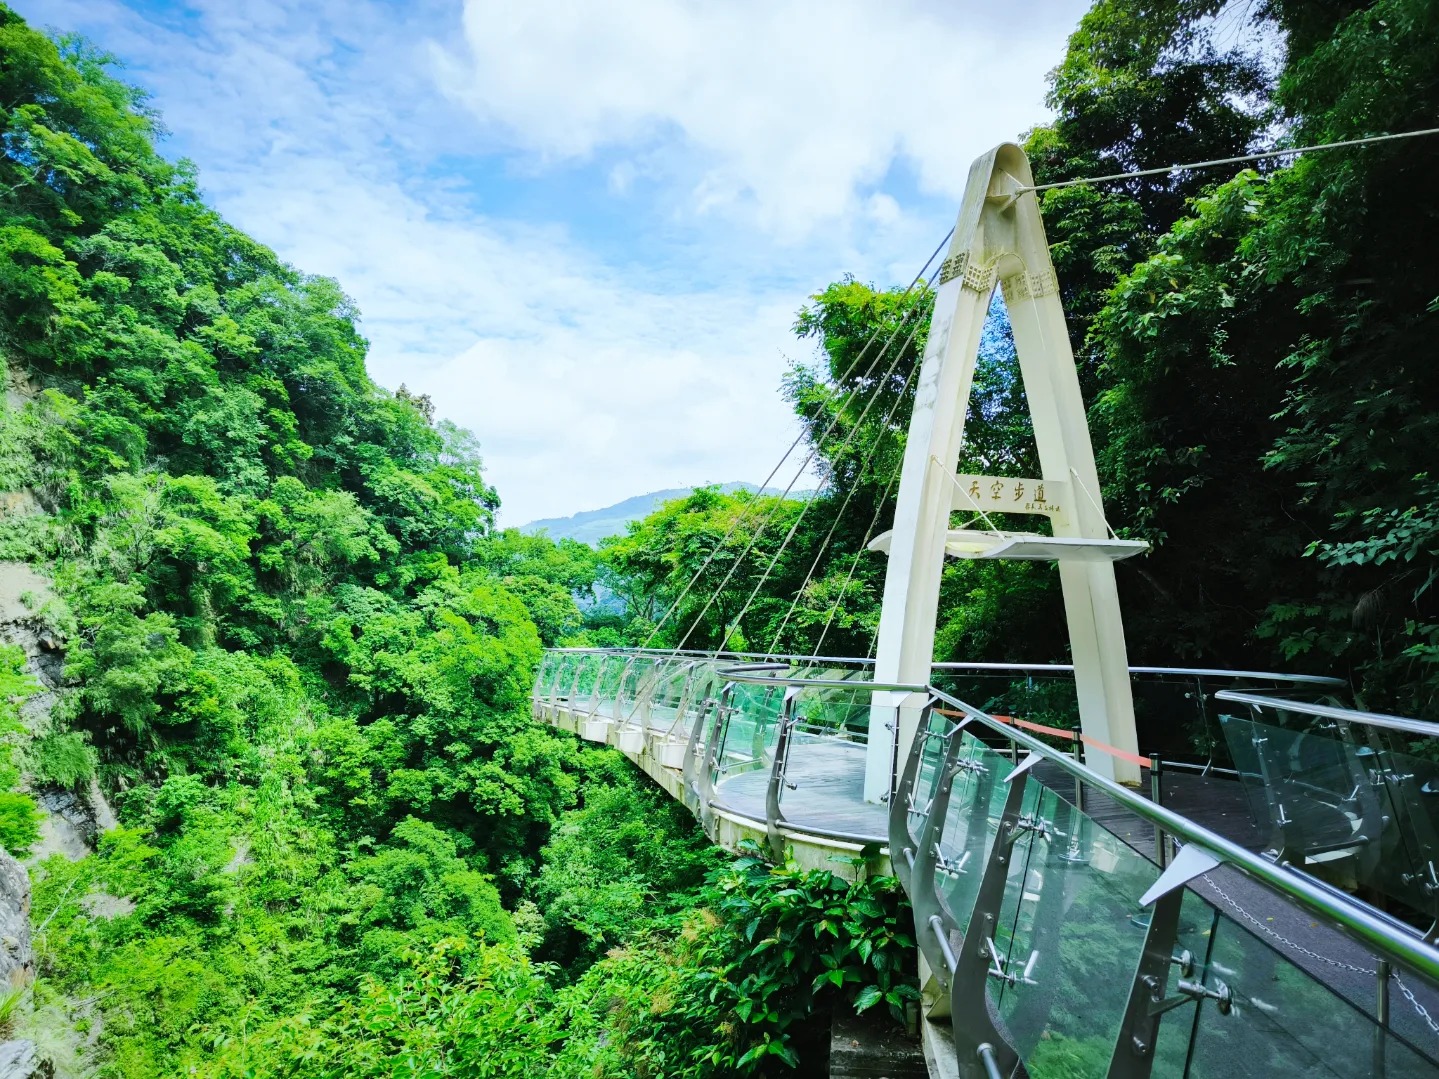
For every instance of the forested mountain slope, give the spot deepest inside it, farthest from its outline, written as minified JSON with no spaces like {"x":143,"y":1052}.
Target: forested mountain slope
{"x":276,"y":628}
{"x":591,"y":526}
{"x":282,"y":636}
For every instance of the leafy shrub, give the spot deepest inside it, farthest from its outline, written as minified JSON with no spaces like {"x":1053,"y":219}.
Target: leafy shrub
{"x":64,"y":759}
{"x":19,"y":823}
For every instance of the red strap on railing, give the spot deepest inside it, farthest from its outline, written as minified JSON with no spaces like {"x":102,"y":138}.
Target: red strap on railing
{"x":1132,"y":758}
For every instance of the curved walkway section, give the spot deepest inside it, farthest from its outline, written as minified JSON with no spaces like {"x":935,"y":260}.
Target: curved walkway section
{"x":1067,"y":926}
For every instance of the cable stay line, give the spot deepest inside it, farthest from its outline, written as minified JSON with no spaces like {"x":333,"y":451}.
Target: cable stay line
{"x":829,"y":482}
{"x":669,"y":613}
{"x":799,"y":438}
{"x":854,"y":565}
{"x":1263,"y":155}
{"x":834,"y":524}
{"x":814,"y":452}
{"x":805,"y":509}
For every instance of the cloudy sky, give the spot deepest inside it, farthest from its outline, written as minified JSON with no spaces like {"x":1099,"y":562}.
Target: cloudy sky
{"x":584,"y":226}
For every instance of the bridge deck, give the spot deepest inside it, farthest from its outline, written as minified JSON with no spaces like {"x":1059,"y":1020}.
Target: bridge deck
{"x":827,"y":777}
{"x":828,"y":792}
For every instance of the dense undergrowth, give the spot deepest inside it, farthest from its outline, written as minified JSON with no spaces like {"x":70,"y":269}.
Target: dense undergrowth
{"x":298,"y":658}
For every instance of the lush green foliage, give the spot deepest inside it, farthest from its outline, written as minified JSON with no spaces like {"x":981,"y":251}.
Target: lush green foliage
{"x":298,"y":657}
{"x":720,"y":990}
{"x":298,"y":653}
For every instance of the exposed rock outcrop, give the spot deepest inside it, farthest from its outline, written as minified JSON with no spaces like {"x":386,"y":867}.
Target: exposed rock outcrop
{"x":24,"y":596}
{"x":20,"y":1059}
{"x":17,"y":961}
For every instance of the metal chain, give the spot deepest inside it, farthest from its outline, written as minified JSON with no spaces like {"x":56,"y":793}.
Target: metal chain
{"x":1423,"y":1011}
{"x":1280,"y":937}
{"x":1340,"y":964}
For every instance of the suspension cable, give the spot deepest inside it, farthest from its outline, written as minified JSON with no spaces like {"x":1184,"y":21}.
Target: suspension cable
{"x":804,"y":465}
{"x":858,"y":554}
{"x":843,"y":446}
{"x":834,"y":524}
{"x":798,"y":438}
{"x":1243,"y":158}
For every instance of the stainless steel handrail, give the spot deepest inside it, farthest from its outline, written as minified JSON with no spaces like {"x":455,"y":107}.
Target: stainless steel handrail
{"x":1369,"y":928}
{"x":1348,"y":715}
{"x":1207,"y":672}
{"x":753,"y":675}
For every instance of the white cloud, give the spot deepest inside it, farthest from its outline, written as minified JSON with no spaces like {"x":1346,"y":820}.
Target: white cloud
{"x":789,"y":108}
{"x":588,"y":376}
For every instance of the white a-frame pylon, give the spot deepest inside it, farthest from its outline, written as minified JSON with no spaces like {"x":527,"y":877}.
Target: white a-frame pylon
{"x":999,"y":241}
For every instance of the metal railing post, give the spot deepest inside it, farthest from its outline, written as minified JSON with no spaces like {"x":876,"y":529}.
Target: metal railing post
{"x":901,"y":846}
{"x":1383,"y":972}
{"x":689,"y":782}
{"x":969,"y":1012}
{"x":772,"y":813}
{"x":1156,"y":795}
{"x":1077,"y":750}
{"x":1133,"y":1055}
{"x":712,"y":756}
{"x":929,"y":924}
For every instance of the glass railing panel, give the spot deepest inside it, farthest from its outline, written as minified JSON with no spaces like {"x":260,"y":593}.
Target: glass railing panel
{"x":1280,"y":1021}
{"x":976,"y":802}
{"x":1069,"y":938}
{"x":1344,"y":802}
{"x":544,"y":676}
{"x":667,"y":695}
{"x":604,"y":702}
{"x":587,"y":675}
{"x":564,"y":676}
{"x":638,"y":689}
{"x":1310,"y":787}
{"x":824,"y":764}
{"x":1407,"y":867}
{"x":704,"y":683}
{"x":841,"y":714}
{"x":746,"y":744}
{"x":933,"y":746}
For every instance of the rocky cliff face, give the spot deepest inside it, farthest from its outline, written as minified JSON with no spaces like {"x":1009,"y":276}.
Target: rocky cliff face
{"x":17,"y":962}
{"x":19,"y":1059}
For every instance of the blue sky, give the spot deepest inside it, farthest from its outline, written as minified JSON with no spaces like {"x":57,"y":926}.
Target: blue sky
{"x":584,"y":226}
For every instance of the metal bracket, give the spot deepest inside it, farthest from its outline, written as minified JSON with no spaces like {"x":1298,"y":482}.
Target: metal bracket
{"x":1000,"y":966}
{"x":1023,"y":766}
{"x":1191,"y":861}
{"x":1032,"y":822}
{"x":951,"y":867}
{"x":1190,"y":991}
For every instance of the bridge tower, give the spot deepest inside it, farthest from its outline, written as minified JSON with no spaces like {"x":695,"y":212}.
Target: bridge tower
{"x":999,"y":242}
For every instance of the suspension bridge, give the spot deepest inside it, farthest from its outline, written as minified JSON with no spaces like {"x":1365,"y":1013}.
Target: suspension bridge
{"x":1201,"y":872}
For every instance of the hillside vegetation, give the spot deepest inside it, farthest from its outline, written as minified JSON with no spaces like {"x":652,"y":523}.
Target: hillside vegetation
{"x":297,"y":653}
{"x":298,"y":658}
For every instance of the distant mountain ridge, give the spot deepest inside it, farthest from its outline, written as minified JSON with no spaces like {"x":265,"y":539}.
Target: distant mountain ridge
{"x":591,"y":526}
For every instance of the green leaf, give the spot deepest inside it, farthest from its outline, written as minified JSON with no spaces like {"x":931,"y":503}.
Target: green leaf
{"x":868,"y":997}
